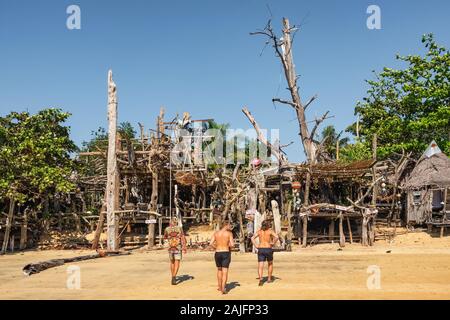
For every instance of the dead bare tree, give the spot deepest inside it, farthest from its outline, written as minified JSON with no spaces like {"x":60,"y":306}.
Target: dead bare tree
{"x":283,"y":50}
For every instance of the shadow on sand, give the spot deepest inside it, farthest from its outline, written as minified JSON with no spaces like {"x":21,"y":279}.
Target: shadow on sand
{"x":183,"y":278}
{"x":232,"y":285}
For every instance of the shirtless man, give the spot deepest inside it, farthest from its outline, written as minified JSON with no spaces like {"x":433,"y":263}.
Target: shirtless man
{"x":267,"y":238}
{"x":222,"y":241}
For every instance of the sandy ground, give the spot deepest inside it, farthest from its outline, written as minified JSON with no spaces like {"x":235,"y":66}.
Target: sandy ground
{"x":414,"y":266}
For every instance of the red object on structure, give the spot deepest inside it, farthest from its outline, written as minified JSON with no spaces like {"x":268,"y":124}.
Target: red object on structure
{"x":296,"y":185}
{"x":256,"y":162}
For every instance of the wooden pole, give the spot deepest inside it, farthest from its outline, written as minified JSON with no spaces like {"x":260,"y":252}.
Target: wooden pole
{"x":276,"y":218}
{"x":349,"y":230}
{"x":155,"y":184}
{"x":289,"y":231}
{"x":364,"y":240}
{"x":117,"y":193}
{"x":241,"y":208}
{"x":261,"y":138}
{"x":111,"y":165}
{"x":305,"y":231}
{"x":341,"y":232}
{"x":371,"y":231}
{"x":306,"y":203}
{"x":357,"y":128}
{"x":374,"y":177}
{"x":331,"y":230}
{"x":337,"y":149}
{"x":153,"y":207}
{"x":101,"y":222}
{"x":9,"y":219}
{"x":23,"y":231}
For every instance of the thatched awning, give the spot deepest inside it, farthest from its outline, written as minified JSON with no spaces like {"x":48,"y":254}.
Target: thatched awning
{"x":187,"y":178}
{"x":432,"y":171}
{"x":337,"y":169}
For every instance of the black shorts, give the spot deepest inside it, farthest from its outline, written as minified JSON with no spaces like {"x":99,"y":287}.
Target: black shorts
{"x":265,"y":254}
{"x":223,"y":259}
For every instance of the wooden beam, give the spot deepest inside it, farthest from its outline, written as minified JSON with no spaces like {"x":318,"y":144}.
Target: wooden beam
{"x":9,"y":219}
{"x":111,"y":165}
{"x":23,"y":231}
{"x":305,"y":231}
{"x":331,"y":230}
{"x":341,"y":231}
{"x":349,"y":226}
{"x":374,"y":171}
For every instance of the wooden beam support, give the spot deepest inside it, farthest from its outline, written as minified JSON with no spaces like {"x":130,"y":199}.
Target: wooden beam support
{"x":341,"y":231}
{"x":111,"y":165}
{"x":349,"y":227}
{"x":9,"y":219}
{"x":331,"y":230}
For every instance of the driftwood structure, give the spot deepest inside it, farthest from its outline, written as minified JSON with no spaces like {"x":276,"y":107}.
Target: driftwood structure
{"x":132,"y":185}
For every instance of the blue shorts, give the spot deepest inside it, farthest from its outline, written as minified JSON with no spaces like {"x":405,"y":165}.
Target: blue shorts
{"x":265,"y":254}
{"x":223,"y":259}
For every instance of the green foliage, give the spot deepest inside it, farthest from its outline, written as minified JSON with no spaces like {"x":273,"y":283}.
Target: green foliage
{"x":410,"y":107}
{"x":354,"y":152}
{"x":332,"y":139}
{"x":98,"y":141}
{"x":99,"y":138}
{"x":213,"y":143}
{"x":126,"y":131}
{"x":35,"y":154}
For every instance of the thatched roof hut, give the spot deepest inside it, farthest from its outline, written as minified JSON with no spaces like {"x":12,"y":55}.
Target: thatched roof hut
{"x":427,"y":188}
{"x":433,"y":171}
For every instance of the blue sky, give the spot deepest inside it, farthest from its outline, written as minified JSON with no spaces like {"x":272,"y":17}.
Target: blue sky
{"x":198,"y":56}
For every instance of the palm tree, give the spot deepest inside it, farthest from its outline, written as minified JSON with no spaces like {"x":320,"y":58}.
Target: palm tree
{"x":213,"y":144}
{"x":332,"y":140}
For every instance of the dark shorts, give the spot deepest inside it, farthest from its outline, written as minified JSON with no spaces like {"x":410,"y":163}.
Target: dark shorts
{"x":265,"y":254}
{"x":223,"y":259}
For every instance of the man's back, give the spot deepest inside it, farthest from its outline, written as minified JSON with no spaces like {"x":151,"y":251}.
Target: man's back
{"x":265,"y":238}
{"x":223,"y":240}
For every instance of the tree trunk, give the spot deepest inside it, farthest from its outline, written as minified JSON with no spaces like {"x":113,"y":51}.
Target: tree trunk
{"x":374,"y":172}
{"x":111,"y":165}
{"x":9,"y":219}
{"x":364,"y":237}
{"x":305,"y":231}
{"x":273,"y":150}
{"x":291,"y":77}
{"x":331,"y":230}
{"x":341,"y":232}
{"x":153,"y":207}
{"x":23,"y":231}
{"x":276,"y":218}
{"x":289,"y":232}
{"x":101,"y":222}
{"x":349,"y":230}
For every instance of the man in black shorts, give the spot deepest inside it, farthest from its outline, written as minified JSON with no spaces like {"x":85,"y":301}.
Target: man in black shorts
{"x":222,"y":241}
{"x":267,"y":238}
